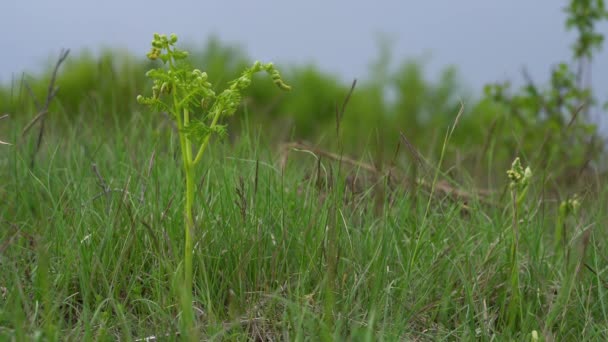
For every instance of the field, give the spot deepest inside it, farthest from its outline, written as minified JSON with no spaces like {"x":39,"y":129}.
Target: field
{"x":304,"y":248}
{"x":325,"y":213}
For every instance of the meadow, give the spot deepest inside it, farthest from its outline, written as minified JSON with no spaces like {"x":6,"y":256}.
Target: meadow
{"x":324,"y":213}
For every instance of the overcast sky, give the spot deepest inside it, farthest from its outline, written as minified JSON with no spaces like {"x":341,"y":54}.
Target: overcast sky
{"x":487,"y":40}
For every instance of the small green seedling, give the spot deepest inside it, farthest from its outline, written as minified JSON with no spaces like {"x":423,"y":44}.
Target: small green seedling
{"x":519,"y":182}
{"x":567,"y":208}
{"x":189,"y":97}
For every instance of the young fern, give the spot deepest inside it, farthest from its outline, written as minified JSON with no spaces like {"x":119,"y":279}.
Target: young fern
{"x":189,"y":97}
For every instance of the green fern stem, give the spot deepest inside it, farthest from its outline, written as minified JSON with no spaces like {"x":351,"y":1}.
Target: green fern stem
{"x":188,"y":166}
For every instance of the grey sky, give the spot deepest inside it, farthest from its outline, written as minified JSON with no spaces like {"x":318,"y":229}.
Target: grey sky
{"x":487,"y":40}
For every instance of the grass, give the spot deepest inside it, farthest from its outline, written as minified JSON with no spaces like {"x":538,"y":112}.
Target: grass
{"x":314,"y":250}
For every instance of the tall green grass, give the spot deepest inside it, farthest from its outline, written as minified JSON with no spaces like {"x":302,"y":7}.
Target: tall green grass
{"x":91,"y":239}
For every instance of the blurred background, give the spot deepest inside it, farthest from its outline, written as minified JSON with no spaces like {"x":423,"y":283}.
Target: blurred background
{"x":486,"y":41}
{"x":526,"y":90}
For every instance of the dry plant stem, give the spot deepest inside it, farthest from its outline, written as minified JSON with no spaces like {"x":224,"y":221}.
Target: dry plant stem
{"x":42,"y":111}
{"x":37,"y":118}
{"x":4,"y":117}
{"x":443,"y":187}
{"x":540,"y":158}
{"x":415,"y":154}
{"x":340,"y":111}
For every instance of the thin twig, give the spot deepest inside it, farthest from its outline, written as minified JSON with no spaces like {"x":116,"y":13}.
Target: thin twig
{"x":340,"y":112}
{"x":108,"y":191}
{"x":43,"y":110}
{"x":418,"y":159}
{"x":33,"y":122}
{"x":575,"y":114}
{"x":588,"y":267}
{"x":142,"y":194}
{"x":105,"y":187}
{"x":31,"y":93}
{"x":164,"y":213}
{"x":52,"y":91}
{"x":540,"y":154}
{"x":4,"y":142}
{"x":100,"y":181}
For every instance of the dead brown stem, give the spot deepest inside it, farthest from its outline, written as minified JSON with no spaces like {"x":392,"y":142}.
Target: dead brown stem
{"x":441,"y":186}
{"x":43,"y":110}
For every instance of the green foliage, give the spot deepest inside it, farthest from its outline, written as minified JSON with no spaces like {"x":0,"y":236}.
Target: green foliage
{"x":87,"y":83}
{"x":583,"y":16}
{"x":86,"y":261}
{"x":312,"y":108}
{"x":324,"y":250}
{"x":184,"y":93}
{"x":548,"y":123}
{"x":424,"y":108}
{"x":568,"y":208}
{"x":189,"y":91}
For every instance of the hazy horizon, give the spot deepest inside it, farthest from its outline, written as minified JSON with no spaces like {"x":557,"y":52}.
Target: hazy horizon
{"x":486,"y":42}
